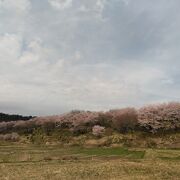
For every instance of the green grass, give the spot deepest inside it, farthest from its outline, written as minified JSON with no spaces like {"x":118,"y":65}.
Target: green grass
{"x":26,"y":162}
{"x":14,"y":154}
{"x":120,"y":152}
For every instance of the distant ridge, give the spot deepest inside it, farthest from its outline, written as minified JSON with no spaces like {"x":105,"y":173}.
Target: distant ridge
{"x":13,"y":117}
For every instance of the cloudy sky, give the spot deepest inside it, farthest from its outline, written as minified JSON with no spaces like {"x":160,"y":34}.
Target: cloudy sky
{"x":58,"y":55}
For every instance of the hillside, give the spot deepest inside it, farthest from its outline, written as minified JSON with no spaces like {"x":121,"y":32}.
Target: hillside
{"x":127,"y":125}
{"x":151,"y":118}
{"x":7,"y":117}
{"x":124,"y":143}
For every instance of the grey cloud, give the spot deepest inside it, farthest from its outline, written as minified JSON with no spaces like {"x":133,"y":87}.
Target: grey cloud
{"x":93,"y":54}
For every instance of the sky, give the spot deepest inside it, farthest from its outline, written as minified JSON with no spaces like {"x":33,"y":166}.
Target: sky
{"x":62,"y":55}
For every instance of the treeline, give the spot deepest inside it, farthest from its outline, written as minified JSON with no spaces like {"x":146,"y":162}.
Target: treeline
{"x":14,"y":117}
{"x":153,"y":119}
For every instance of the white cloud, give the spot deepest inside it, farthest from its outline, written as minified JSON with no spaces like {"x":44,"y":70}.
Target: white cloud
{"x":17,"y":6}
{"x":126,"y":2}
{"x":93,"y":7}
{"x":32,"y":54}
{"x":35,"y":54}
{"x":100,"y":5}
{"x":10,"y":47}
{"x":78,"y":55}
{"x":61,"y":4}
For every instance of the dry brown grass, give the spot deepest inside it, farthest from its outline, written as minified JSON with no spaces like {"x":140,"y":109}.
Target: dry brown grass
{"x":94,"y":169}
{"x":31,"y":163}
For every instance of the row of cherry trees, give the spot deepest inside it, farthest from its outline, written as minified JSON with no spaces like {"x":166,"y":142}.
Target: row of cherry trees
{"x":160,"y":117}
{"x":152,"y":118}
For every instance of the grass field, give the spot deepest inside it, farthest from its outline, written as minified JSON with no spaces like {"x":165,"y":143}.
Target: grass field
{"x":21,"y":162}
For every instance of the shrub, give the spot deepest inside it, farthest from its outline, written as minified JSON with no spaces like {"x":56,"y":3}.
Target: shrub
{"x":3,"y":127}
{"x":38,"y":136}
{"x":7,"y":137}
{"x":124,"y":120}
{"x":108,"y":131}
{"x":151,"y":143}
{"x":48,"y":127}
{"x":10,"y":137}
{"x":65,"y":136}
{"x":6,"y":126}
{"x":24,"y":127}
{"x":104,"y":119}
{"x":161,"y":117}
{"x":15,"y":136}
{"x":78,"y":130}
{"x":98,"y":130}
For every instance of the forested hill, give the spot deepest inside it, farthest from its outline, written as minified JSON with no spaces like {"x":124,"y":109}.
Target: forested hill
{"x":13,"y":117}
